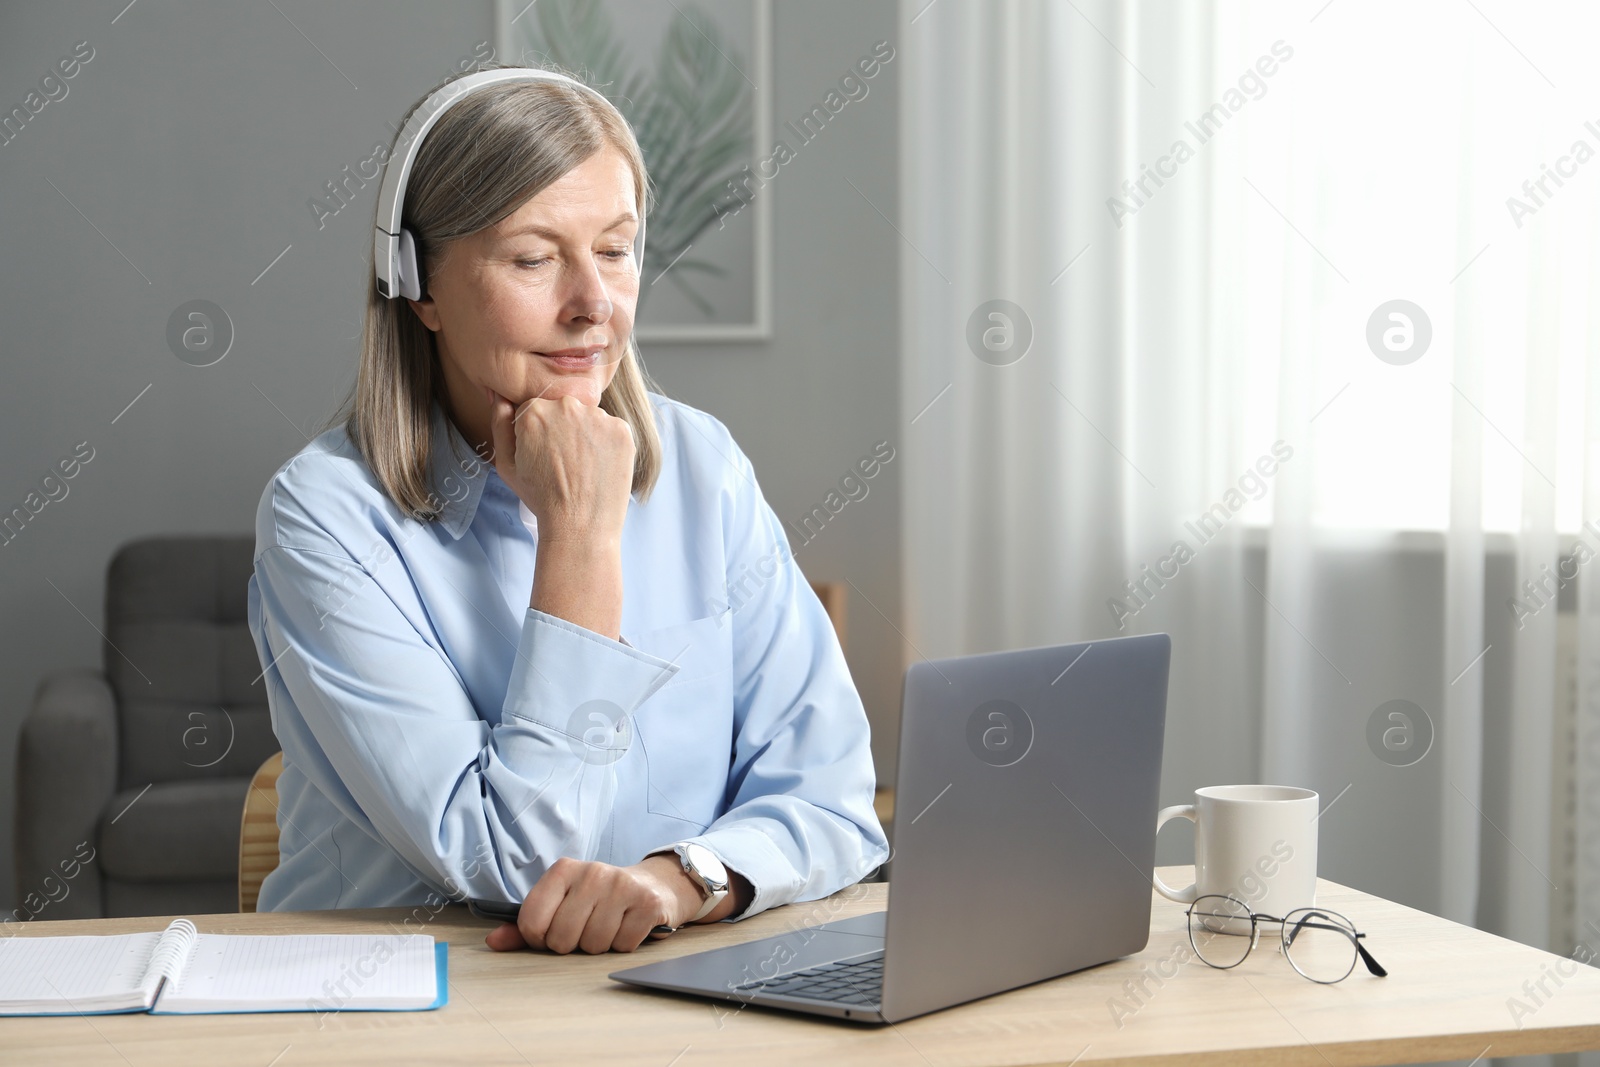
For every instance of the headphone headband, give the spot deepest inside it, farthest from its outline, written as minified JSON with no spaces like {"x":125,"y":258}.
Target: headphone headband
{"x":394,"y":257}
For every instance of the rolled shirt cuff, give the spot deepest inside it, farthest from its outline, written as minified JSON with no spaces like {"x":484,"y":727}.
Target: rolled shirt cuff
{"x":562,"y":667}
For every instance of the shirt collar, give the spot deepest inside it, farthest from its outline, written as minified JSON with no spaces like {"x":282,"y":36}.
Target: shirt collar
{"x":458,"y":474}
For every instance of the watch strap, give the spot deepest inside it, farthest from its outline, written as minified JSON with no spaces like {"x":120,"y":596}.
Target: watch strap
{"x":713,"y":898}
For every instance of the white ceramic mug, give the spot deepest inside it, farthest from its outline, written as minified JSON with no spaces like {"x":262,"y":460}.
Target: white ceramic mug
{"x":1256,"y":843}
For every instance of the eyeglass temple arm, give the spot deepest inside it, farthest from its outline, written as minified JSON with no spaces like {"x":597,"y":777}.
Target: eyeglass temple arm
{"x":1366,"y":957}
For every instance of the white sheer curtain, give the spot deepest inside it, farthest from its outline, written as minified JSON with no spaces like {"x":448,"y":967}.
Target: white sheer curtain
{"x":1188,"y":326}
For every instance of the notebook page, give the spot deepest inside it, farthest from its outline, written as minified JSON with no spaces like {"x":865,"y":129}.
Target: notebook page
{"x":75,"y":973}
{"x":304,"y":972}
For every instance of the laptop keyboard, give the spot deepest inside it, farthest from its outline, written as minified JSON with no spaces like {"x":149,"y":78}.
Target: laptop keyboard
{"x":853,"y":981}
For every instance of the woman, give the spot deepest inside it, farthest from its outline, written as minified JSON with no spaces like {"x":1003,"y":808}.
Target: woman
{"x":530,"y":632}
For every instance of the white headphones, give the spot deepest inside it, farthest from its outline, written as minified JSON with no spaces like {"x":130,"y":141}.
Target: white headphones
{"x":394,"y":249}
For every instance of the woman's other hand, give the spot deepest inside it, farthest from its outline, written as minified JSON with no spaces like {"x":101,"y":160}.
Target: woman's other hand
{"x":596,"y":907}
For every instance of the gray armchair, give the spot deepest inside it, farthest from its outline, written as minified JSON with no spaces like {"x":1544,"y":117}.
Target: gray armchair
{"x":144,"y":765}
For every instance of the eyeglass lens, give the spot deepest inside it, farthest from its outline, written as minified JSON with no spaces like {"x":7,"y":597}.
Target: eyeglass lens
{"x":1319,"y":944}
{"x":1220,"y":930}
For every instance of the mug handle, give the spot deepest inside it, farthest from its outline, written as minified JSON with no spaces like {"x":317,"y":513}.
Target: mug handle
{"x":1185,"y":895}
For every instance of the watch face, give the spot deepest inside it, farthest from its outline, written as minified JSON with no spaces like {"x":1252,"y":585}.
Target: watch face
{"x":707,"y":864}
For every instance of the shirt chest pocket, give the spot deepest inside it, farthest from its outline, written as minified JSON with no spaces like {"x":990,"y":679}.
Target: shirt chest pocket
{"x":685,"y":728}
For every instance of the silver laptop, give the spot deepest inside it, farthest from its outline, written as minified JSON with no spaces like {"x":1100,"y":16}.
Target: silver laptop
{"x":1024,"y":842}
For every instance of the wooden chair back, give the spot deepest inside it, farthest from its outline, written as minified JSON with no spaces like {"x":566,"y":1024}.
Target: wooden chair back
{"x":258,"y":831}
{"x":832,"y":595}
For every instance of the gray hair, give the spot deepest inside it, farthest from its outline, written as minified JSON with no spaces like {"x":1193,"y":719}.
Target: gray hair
{"x":487,"y":156}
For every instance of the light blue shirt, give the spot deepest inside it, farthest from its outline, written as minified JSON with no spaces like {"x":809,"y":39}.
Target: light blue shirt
{"x":440,"y":737}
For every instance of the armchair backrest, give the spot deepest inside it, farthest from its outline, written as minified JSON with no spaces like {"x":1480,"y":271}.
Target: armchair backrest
{"x":190,"y":699}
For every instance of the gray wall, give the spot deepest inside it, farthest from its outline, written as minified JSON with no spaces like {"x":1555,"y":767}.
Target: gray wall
{"x":178,"y":166}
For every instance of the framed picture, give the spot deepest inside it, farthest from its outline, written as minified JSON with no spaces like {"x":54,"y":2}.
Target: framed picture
{"x":694,"y":79}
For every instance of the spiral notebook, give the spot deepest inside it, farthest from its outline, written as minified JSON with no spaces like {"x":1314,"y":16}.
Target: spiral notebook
{"x":179,"y":971}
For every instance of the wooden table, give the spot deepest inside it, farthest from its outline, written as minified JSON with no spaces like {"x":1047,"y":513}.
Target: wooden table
{"x":1446,"y":998}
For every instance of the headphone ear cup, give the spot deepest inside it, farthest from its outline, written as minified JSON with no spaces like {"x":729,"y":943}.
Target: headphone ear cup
{"x":410,"y":276}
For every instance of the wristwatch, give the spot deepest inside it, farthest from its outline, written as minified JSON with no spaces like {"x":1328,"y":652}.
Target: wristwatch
{"x":707,"y":871}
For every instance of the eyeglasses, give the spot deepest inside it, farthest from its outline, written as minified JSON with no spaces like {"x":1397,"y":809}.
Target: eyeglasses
{"x":1321,"y":944}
